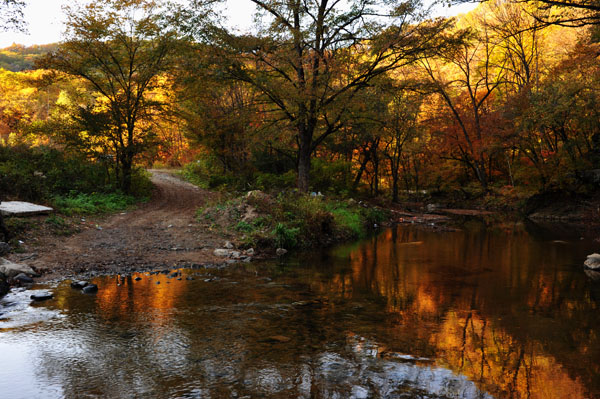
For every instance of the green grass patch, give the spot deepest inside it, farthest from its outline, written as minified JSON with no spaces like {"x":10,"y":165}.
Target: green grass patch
{"x":94,"y":203}
{"x":350,"y":220}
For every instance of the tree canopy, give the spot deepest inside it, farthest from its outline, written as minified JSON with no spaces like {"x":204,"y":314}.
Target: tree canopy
{"x":310,"y":59}
{"x":356,"y":97}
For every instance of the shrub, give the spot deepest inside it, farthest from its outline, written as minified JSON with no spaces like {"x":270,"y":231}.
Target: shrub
{"x":286,"y":237}
{"x":40,"y":173}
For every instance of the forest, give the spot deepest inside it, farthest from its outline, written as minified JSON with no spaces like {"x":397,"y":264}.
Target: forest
{"x":362,"y":98}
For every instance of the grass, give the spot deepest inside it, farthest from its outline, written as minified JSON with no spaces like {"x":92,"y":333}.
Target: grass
{"x":93,"y":204}
{"x":349,"y":220}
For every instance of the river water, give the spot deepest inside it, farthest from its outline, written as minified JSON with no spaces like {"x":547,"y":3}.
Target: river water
{"x":502,"y":312}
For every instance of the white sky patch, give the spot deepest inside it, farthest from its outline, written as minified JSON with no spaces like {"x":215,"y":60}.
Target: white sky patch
{"x":46,"y":19}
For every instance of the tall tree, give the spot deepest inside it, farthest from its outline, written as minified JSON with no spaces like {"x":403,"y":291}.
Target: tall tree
{"x":120,"y":48}
{"x":310,"y":58}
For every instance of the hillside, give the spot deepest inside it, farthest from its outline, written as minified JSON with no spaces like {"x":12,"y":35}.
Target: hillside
{"x":17,"y":58}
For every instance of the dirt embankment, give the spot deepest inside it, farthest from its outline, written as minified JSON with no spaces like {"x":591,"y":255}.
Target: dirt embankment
{"x":161,"y":233}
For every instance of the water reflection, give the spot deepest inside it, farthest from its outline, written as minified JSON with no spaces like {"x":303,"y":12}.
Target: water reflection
{"x":502,"y":313}
{"x":508,"y":309}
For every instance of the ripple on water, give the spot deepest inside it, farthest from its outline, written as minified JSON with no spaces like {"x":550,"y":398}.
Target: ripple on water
{"x":16,"y":310}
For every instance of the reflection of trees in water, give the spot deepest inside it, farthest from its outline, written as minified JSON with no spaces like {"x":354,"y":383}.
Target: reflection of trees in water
{"x":504,"y":309}
{"x":501,"y":310}
{"x":212,"y":349}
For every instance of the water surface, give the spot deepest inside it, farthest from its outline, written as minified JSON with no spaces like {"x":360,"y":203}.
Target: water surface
{"x":503,"y":312}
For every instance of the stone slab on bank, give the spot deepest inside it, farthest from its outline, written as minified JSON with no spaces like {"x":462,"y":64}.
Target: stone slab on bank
{"x":19,"y":208}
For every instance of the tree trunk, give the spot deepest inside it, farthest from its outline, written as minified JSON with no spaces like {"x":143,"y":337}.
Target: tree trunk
{"x":361,"y":170}
{"x":127,"y":165}
{"x":481,"y":174}
{"x":395,"y":179}
{"x":304,"y":153}
{"x":305,"y":134}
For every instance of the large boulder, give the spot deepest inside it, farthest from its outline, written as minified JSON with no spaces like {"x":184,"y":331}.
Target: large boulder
{"x":11,"y":269}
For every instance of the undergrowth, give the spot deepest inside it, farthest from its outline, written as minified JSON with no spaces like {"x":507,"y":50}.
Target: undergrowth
{"x":290,"y":220}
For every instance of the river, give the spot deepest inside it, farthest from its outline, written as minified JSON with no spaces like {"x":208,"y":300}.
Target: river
{"x":485,"y":312}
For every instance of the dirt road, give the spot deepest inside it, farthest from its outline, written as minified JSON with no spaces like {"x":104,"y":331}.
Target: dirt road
{"x":160,"y":233}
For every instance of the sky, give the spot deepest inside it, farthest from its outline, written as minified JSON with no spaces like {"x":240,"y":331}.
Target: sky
{"x":45,"y":20}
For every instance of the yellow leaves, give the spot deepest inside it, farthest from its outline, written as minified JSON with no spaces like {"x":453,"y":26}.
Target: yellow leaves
{"x":63,"y":99}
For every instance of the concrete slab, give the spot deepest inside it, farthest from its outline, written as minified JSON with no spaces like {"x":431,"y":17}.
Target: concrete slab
{"x":18,"y":208}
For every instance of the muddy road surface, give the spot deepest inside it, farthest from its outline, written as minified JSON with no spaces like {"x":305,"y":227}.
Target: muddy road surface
{"x":162,"y":233}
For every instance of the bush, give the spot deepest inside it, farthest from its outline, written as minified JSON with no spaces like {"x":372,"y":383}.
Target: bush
{"x":40,"y":173}
{"x":286,"y":237}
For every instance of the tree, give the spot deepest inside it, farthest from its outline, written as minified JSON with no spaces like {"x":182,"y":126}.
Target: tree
{"x":466,"y":80}
{"x":11,"y":15}
{"x":400,"y":129}
{"x":120,"y":48}
{"x":312,"y":57}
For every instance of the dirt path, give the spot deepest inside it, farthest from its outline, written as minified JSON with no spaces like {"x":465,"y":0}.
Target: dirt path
{"x":161,"y":233}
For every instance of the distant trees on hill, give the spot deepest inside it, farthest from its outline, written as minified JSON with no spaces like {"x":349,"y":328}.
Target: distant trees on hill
{"x":17,"y":58}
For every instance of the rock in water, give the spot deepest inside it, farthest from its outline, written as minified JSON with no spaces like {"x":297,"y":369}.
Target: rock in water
{"x":281,"y":251}
{"x":78,"y":285}
{"x":23,"y":278}
{"x":594,"y":275}
{"x":593,"y":262}
{"x":90,"y":289}
{"x":41,"y":296}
